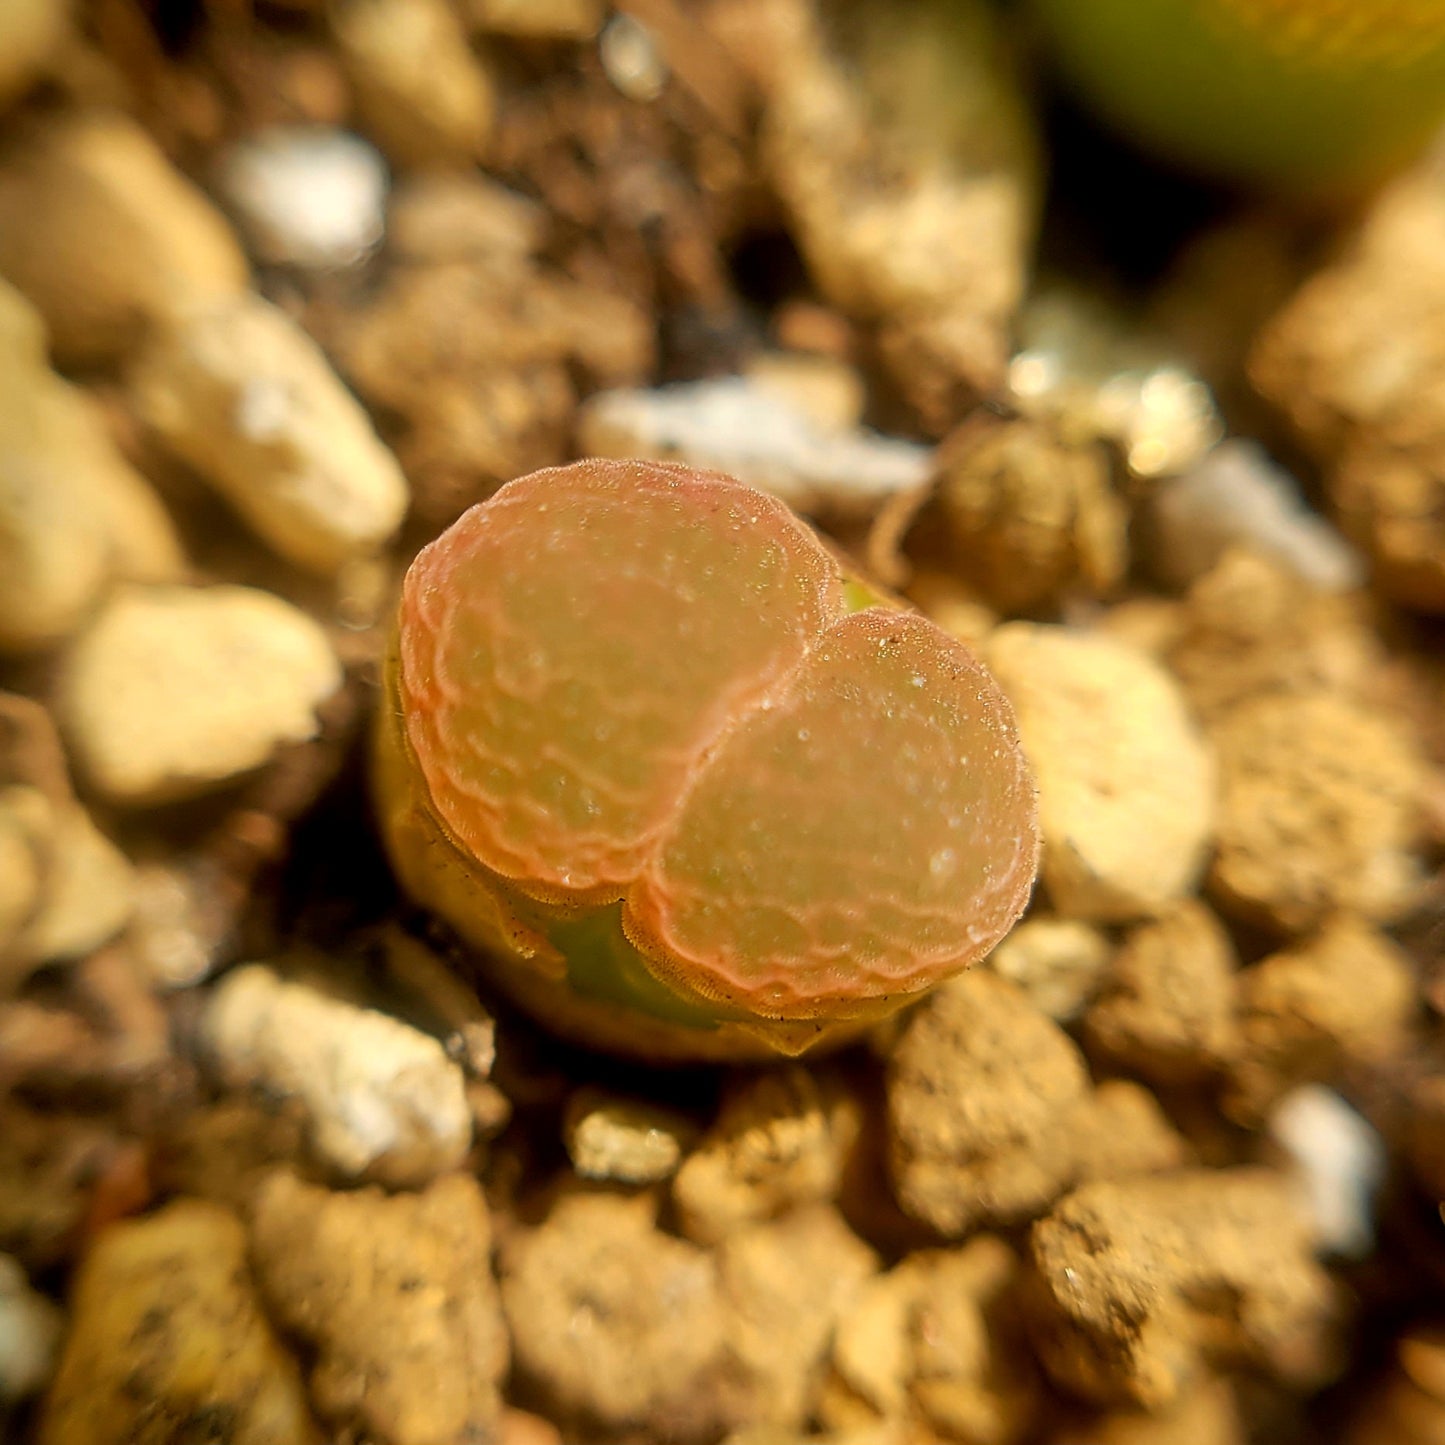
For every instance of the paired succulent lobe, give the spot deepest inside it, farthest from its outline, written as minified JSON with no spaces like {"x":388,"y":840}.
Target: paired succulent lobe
{"x":641,"y":682}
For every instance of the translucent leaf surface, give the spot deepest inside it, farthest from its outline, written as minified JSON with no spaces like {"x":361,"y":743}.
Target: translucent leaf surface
{"x":866,"y":832}
{"x":571,"y":649}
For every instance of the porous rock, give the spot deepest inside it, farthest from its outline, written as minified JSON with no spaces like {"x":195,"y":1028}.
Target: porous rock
{"x":1355,"y":362}
{"x":981,"y":1088}
{"x":381,"y":1098}
{"x":934,"y":1346}
{"x":1126,"y":781}
{"x":1319,"y":800}
{"x":783,"y":1286}
{"x":1145,"y":1281}
{"x":780,"y":1140}
{"x":618,"y":1324}
{"x":905,"y":163}
{"x":395,"y":1296}
{"x":239,"y":392}
{"x":1251,"y":626}
{"x":104,"y":236}
{"x":1344,"y":995}
{"x":475,"y":358}
{"x":1167,"y":1008}
{"x":172,"y":691}
{"x":166,"y":1331}
{"x":1031,"y":515}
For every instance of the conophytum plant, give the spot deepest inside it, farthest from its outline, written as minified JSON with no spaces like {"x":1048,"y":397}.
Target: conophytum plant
{"x":694,"y":791}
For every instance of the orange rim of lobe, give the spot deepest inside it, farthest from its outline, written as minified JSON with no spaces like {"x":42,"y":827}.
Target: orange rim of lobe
{"x":796,"y":878}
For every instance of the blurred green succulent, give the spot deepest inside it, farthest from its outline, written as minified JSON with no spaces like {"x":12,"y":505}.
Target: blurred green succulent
{"x":692,"y":790}
{"x":1306,"y":95}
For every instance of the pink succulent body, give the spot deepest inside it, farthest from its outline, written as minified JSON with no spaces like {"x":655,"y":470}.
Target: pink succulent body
{"x":638,"y":729}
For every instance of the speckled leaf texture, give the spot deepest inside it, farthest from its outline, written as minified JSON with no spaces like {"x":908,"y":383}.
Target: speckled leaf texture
{"x":626,"y":680}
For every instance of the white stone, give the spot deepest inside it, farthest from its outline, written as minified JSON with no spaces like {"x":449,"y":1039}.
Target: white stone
{"x":307,"y":195}
{"x":754,"y":433}
{"x":243,"y":395}
{"x":175,"y":690}
{"x":382,"y":1098}
{"x":30,"y":1327}
{"x":1237,"y":495}
{"x":1341,"y":1160}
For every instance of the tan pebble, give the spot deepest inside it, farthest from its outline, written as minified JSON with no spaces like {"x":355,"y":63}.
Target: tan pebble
{"x":781,"y":1139}
{"x":166,"y":1325}
{"x":381,"y":1098}
{"x":1318,"y":811}
{"x":30,"y":33}
{"x":1250,"y":626}
{"x":1167,"y":1009}
{"x":623,"y":1140}
{"x":395,"y":1298}
{"x":917,"y":208}
{"x":933,"y":1345}
{"x":242,"y":394}
{"x":1126,"y":782}
{"x":784,"y":1285}
{"x":439,"y":216}
{"x":83,"y":887}
{"x":537,"y":19}
{"x":174,"y":691}
{"x":1207,"y":1415}
{"x":1354,"y":361}
{"x":619,"y":1323}
{"x":424,"y":96}
{"x":1346,"y":994}
{"x":521,"y":1427}
{"x":1030,"y":515}
{"x":74,"y":516}
{"x":1057,"y":962}
{"x":1121,"y":1130}
{"x":981,"y":1087}
{"x":1134,"y":1273}
{"x":104,"y":236}
{"x":21,"y":874}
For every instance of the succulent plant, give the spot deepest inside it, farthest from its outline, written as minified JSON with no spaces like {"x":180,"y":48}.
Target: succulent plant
{"x":693,"y":790}
{"x":1311,"y":95}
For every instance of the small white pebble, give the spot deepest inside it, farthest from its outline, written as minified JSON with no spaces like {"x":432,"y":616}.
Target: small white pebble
{"x":748,"y":430}
{"x":382,"y":1097}
{"x":1341,"y":1160}
{"x":1236,"y":494}
{"x":307,"y":196}
{"x":30,"y":1328}
{"x":631,"y":59}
